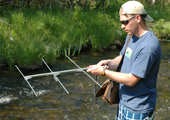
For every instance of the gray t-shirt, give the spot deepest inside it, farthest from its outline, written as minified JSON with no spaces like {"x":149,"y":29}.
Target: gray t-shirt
{"x":142,"y":58}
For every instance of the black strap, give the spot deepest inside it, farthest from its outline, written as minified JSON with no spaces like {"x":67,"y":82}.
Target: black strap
{"x":121,"y":62}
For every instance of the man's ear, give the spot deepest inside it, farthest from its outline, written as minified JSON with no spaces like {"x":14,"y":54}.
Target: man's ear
{"x":138,"y":18}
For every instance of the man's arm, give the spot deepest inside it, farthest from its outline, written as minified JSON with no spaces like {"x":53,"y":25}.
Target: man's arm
{"x":124,"y":78}
{"x":112,"y":63}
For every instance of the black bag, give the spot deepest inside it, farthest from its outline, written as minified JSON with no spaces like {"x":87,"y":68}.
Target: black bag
{"x":110,"y":89}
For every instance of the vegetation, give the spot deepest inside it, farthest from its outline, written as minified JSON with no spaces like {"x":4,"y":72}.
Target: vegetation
{"x":48,"y":29}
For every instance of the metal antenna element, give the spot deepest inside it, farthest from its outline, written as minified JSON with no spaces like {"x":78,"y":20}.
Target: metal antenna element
{"x":56,"y":73}
{"x":83,"y":71}
{"x":55,"y":76}
{"x":26,"y":80}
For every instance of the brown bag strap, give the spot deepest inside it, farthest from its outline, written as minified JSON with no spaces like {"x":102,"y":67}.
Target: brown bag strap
{"x":121,"y":62}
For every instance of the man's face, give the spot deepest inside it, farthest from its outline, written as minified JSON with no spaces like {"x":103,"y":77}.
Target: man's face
{"x":128,"y":23}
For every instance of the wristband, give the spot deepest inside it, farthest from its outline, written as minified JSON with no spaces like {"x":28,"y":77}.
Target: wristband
{"x":103,"y":72}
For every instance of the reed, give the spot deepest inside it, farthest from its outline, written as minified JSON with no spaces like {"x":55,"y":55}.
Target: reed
{"x":32,"y":34}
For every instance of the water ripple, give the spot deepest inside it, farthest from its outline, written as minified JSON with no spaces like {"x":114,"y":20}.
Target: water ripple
{"x":7,"y":99}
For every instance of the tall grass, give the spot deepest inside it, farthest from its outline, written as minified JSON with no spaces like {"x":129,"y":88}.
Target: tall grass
{"x":23,"y":44}
{"x":32,"y":34}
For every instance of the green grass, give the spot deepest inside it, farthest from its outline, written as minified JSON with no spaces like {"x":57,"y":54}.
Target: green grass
{"x":32,"y":34}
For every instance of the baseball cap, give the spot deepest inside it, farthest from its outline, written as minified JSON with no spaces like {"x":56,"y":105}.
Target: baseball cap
{"x":135,"y":7}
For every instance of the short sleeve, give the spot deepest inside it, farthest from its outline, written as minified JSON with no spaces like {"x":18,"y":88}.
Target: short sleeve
{"x":143,"y":64}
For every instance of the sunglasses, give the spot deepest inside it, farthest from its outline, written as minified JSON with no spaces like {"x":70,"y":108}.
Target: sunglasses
{"x":125,"y":22}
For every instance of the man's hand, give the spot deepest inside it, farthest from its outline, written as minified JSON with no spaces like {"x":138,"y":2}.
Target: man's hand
{"x":104,"y":64}
{"x":95,"y":69}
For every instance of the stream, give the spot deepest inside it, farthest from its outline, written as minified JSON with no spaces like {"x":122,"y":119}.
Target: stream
{"x":18,"y":101}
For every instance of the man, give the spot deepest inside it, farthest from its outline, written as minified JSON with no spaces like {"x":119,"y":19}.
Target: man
{"x":138,"y":76}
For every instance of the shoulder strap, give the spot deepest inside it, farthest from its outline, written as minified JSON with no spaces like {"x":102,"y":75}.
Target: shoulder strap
{"x":121,"y":62}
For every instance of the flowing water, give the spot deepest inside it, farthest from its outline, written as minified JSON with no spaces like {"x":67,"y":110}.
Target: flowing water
{"x":18,"y":102}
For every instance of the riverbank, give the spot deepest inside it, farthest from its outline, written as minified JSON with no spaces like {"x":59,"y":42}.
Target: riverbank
{"x":32,"y":34}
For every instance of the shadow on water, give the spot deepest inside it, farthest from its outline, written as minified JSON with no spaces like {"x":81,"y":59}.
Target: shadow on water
{"x":17,"y":101}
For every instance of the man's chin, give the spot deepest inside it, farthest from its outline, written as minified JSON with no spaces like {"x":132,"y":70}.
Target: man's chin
{"x":129,"y":33}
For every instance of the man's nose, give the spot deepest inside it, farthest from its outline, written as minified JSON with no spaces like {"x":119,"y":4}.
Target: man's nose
{"x":123,"y":26}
